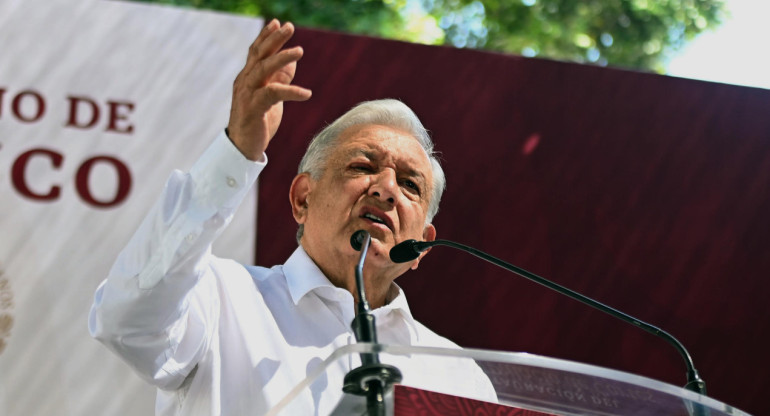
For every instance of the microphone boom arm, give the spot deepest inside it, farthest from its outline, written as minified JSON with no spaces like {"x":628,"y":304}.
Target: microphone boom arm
{"x":694,"y":382}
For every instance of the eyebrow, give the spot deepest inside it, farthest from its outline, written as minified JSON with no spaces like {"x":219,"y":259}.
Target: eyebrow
{"x":373,"y":155}
{"x":412,"y":173}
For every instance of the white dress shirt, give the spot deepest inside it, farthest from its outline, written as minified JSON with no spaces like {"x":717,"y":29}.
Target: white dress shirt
{"x":220,"y":338}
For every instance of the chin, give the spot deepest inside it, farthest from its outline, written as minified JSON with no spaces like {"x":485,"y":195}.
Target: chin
{"x":380,"y":248}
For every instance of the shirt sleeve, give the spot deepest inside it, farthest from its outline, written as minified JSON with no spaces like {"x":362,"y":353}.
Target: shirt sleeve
{"x":158,"y":306}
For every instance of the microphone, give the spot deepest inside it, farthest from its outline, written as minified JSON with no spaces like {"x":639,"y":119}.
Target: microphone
{"x":410,"y":249}
{"x":372,"y":378}
{"x":360,"y":240}
{"x":357,"y":239}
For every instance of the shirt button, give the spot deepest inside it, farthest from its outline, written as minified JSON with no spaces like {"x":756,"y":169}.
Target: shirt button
{"x":231,"y":182}
{"x":190,"y":237}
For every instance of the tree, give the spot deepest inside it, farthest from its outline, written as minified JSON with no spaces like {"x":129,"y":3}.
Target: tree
{"x":640,"y":34}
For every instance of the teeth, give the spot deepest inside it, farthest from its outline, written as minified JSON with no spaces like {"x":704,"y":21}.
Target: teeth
{"x":374,"y":218}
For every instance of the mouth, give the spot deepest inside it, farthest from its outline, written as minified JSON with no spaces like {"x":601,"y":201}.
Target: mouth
{"x":374,"y":218}
{"x":377,"y":218}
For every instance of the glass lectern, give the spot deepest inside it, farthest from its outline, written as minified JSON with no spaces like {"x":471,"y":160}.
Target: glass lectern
{"x":524,"y":381}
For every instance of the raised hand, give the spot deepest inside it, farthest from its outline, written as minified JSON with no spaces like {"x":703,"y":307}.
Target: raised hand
{"x":261,"y":87}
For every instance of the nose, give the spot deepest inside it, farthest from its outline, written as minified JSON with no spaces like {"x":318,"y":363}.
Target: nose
{"x":384,"y":186}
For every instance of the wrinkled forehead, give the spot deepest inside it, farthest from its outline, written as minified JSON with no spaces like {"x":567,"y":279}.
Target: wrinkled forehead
{"x":386,"y":144}
{"x":381,"y":136}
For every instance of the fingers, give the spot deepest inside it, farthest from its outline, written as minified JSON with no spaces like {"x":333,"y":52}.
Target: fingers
{"x":266,"y":31}
{"x":269,"y":28}
{"x":275,"y":40}
{"x":276,"y":93}
{"x":270,"y":40}
{"x":267,"y":64}
{"x":277,"y":68}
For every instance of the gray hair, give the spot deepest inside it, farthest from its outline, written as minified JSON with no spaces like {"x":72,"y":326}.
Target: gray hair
{"x":387,"y":112}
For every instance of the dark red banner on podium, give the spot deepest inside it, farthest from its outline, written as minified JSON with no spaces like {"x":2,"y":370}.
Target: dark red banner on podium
{"x":410,"y":401}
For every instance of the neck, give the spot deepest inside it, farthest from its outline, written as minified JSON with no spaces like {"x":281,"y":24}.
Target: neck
{"x":377,"y":288}
{"x":376,"y":295}
{"x":340,"y":271}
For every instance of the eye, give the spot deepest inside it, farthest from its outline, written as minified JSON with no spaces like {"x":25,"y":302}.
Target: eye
{"x":411,"y":185}
{"x":361,"y":167}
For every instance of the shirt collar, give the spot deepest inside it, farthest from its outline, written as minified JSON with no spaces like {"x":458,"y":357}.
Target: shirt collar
{"x":303,"y":276}
{"x":400,"y":305}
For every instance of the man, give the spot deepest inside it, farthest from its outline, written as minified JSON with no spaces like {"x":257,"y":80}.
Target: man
{"x":219,"y":338}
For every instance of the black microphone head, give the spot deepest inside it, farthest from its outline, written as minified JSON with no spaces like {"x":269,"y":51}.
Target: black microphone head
{"x":404,"y":251}
{"x":357,"y":239}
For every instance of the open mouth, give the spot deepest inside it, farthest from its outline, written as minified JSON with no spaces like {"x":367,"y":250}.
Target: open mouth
{"x":375,"y":218}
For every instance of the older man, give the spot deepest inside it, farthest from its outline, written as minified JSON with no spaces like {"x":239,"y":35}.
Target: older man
{"x":220,"y":338}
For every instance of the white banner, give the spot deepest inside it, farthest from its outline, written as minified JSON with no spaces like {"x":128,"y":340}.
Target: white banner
{"x":99,"y":101}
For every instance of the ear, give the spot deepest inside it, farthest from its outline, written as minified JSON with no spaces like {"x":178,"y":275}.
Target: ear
{"x":299,"y":194}
{"x":428,"y":234}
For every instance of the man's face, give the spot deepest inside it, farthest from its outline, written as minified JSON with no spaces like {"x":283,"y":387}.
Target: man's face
{"x":377,"y":179}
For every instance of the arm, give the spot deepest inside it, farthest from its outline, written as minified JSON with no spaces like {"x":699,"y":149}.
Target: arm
{"x":158,"y":306}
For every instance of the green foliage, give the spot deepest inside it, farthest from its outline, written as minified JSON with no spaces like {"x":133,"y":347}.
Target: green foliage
{"x":639,"y":34}
{"x":631,"y":33}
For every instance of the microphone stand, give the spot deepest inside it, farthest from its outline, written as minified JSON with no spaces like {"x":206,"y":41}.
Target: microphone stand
{"x":410,"y":249}
{"x":372,"y":378}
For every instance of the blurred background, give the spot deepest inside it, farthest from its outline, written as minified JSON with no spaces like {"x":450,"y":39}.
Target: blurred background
{"x":714,"y":40}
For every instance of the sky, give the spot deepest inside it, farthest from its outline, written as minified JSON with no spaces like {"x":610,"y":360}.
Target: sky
{"x":735,"y":53}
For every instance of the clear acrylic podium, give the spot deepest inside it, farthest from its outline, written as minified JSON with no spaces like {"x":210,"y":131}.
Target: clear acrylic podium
{"x":523,"y":381}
